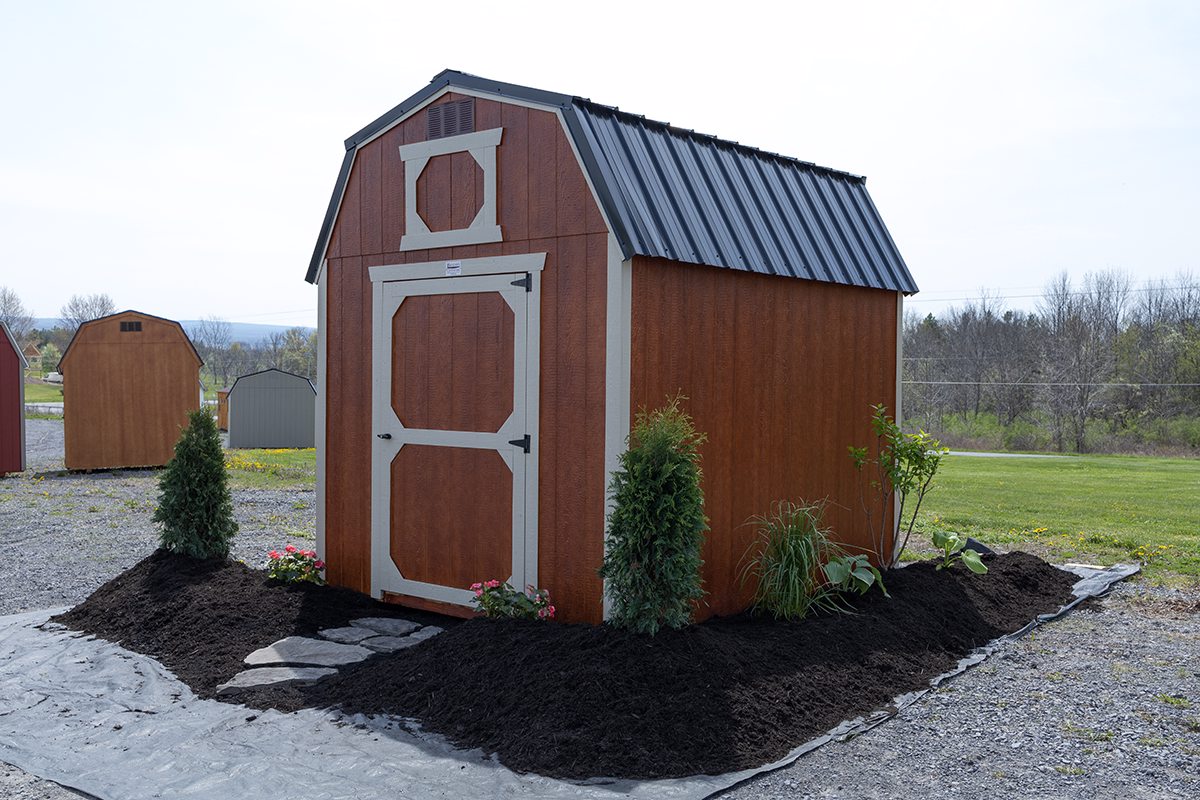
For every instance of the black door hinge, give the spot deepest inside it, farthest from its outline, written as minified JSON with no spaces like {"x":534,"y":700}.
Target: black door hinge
{"x":523,"y":442}
{"x":526,"y":282}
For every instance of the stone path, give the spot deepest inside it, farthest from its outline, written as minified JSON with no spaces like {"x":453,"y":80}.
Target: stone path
{"x":300,"y":659}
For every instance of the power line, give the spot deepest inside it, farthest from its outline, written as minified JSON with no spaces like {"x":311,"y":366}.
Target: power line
{"x":1074,"y":293}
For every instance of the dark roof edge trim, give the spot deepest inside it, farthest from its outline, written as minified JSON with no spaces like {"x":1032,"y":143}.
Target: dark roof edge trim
{"x":8,"y":334}
{"x":335,"y":202}
{"x":176,"y":323}
{"x":304,"y":378}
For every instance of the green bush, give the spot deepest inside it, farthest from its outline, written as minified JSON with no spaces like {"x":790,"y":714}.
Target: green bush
{"x":656,"y":530}
{"x":786,"y":560}
{"x":195,"y":509}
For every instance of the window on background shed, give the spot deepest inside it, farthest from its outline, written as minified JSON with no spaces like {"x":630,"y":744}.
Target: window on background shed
{"x":131,"y":325}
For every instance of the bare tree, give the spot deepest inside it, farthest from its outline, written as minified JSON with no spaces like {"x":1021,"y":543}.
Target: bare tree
{"x":213,"y":337}
{"x":82,"y":308}
{"x":14,"y":315}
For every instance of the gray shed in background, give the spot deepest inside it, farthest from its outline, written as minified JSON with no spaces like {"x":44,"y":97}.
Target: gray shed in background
{"x":272,"y":408}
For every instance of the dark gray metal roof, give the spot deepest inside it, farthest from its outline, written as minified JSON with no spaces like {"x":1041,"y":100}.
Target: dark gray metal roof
{"x":677,"y":194}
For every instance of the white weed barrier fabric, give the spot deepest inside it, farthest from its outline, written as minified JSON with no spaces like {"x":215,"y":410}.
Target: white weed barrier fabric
{"x":98,"y":718}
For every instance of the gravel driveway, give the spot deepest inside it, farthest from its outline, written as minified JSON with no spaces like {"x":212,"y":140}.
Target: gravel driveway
{"x":1102,"y":704}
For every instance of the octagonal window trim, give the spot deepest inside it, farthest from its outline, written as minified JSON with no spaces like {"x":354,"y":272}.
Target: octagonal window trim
{"x":483,"y":228}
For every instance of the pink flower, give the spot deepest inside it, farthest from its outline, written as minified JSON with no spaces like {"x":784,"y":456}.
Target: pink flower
{"x":550,"y":611}
{"x":273,"y":554}
{"x":492,"y":584}
{"x":319,"y":564}
{"x":291,"y":548}
{"x":309,"y":553}
{"x":478,"y":592}
{"x":476,"y":586}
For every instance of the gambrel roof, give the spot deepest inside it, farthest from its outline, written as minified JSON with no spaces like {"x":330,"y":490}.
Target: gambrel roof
{"x":673,"y":193}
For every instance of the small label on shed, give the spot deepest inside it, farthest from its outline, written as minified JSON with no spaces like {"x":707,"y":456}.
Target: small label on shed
{"x":453,"y":269}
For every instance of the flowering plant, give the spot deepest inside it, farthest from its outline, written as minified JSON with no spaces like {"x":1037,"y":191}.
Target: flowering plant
{"x":294,"y":565}
{"x":495,"y":599}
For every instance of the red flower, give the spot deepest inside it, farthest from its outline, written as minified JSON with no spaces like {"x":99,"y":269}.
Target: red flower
{"x":273,"y":554}
{"x":291,"y":548}
{"x":319,"y":564}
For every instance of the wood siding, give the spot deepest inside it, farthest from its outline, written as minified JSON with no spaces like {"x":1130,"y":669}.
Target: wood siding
{"x":12,"y":410}
{"x":543,"y":206}
{"x":126,"y":395}
{"x":780,"y":374}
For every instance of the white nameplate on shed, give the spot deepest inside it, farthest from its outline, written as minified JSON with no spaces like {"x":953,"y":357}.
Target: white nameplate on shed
{"x":453,"y":269}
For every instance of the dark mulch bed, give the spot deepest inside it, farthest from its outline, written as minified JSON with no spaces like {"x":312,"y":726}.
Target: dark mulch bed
{"x":577,"y":701}
{"x":201,"y":618}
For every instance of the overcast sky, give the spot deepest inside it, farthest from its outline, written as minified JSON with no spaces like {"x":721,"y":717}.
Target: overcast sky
{"x":180,"y":158}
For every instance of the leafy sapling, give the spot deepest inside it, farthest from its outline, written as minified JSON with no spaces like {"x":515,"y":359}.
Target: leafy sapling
{"x":903,"y":471}
{"x":954,"y":548}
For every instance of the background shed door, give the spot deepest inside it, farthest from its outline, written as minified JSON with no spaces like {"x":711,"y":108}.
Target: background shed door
{"x":450,"y":454}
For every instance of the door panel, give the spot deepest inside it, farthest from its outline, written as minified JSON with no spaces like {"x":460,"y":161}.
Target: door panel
{"x":450,"y":461}
{"x":452,"y":362}
{"x":446,"y":506}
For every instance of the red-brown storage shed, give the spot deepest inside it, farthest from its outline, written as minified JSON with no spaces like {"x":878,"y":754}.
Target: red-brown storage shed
{"x":506,"y":274}
{"x":129,"y":382}
{"x":12,"y":403}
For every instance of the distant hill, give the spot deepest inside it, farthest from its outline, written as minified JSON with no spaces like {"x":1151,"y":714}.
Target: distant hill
{"x":244,"y":332}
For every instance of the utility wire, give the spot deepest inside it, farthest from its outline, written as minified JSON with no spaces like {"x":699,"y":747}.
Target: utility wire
{"x":1073,"y":293}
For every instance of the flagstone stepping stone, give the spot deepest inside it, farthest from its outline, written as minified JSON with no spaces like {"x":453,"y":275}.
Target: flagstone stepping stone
{"x":388,"y":626}
{"x":271,"y":676}
{"x":302,"y":650}
{"x":390,"y":644}
{"x":425,"y":633}
{"x":348,"y":635}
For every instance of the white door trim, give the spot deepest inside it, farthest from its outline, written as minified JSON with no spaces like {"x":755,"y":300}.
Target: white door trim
{"x":525,"y":302}
{"x":465,"y":267}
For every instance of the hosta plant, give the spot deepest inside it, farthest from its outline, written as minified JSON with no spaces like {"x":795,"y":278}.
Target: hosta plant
{"x":294,"y":565}
{"x":954,"y":548}
{"x":496,"y":600}
{"x":853,"y":574}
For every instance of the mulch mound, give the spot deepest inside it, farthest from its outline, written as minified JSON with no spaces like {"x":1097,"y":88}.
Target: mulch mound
{"x":580,"y":701}
{"x":201,"y":618}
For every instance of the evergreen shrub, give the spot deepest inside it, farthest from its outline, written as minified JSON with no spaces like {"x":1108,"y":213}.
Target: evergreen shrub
{"x":195,"y":509}
{"x":656,"y":530}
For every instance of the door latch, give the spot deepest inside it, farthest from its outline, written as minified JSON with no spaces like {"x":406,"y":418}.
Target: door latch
{"x":523,"y":442}
{"x":384,"y":435}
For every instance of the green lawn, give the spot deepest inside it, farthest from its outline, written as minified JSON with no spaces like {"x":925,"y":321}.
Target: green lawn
{"x":271,"y":469}
{"x":1090,"y":509}
{"x":42,"y":393}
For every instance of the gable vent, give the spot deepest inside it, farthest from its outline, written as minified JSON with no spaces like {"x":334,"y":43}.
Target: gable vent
{"x":451,"y":119}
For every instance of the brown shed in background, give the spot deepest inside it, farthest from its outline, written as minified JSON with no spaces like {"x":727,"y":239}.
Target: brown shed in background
{"x":129,"y":382}
{"x":223,"y":409}
{"x":506,"y":275}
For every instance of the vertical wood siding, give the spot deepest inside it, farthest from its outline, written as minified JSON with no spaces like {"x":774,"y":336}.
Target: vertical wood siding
{"x":127,"y":395}
{"x":12,"y":413}
{"x":543,"y":206}
{"x":780,"y":374}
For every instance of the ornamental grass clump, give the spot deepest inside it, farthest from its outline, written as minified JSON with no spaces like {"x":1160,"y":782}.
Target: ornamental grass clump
{"x":195,"y":509}
{"x":656,"y":529}
{"x":787,"y":560}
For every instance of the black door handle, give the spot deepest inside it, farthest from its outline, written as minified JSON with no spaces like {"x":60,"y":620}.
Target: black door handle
{"x":384,"y":435}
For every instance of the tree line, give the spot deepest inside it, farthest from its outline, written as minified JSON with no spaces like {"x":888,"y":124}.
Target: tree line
{"x":1099,"y":366}
{"x":293,"y":350}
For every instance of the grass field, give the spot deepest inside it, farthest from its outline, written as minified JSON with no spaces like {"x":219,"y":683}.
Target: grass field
{"x":1091,"y":509}
{"x":42,"y":393}
{"x":271,"y":469}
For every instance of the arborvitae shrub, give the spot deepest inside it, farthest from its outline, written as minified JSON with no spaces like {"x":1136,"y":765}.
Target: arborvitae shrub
{"x":652,"y":555}
{"x":195,"y":509}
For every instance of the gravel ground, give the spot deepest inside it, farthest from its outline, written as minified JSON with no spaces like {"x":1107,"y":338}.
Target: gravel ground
{"x":1104,"y":703}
